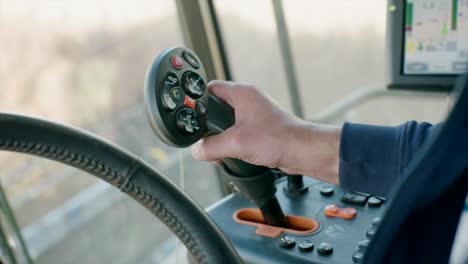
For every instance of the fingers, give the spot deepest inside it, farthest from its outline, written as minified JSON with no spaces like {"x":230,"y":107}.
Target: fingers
{"x":216,"y":147}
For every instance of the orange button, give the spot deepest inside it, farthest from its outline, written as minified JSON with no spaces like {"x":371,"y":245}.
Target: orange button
{"x":335,"y":211}
{"x":189,"y":102}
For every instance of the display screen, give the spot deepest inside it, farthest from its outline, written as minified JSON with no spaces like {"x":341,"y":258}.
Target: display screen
{"x":436,"y":37}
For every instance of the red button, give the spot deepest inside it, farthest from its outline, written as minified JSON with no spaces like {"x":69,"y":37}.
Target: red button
{"x":189,"y":102}
{"x":176,"y":62}
{"x":335,"y":211}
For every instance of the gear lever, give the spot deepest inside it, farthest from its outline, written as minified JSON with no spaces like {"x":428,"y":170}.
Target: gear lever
{"x":181,"y":112}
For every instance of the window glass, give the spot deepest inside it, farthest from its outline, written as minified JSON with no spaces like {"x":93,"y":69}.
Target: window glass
{"x":339,"y":49}
{"x":83,"y":63}
{"x":249,"y":34}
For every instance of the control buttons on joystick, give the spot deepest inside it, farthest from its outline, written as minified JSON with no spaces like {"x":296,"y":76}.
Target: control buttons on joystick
{"x":187,"y":121}
{"x":176,"y":94}
{"x":191,"y":59}
{"x":170,"y":88}
{"x":189,"y":102}
{"x":193,"y":84}
{"x":201,"y":108}
{"x":176,"y":62}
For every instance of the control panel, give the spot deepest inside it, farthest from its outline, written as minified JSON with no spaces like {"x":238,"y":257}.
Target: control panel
{"x":347,"y":222}
{"x":321,"y":224}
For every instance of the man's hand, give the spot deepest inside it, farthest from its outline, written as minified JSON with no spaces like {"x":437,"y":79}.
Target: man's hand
{"x":264,"y":134}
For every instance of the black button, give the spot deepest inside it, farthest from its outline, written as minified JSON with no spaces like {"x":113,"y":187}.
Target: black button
{"x":169,"y":82}
{"x":193,"y":84}
{"x":374,"y":202}
{"x":326,"y":190}
{"x":376,"y":221}
{"x":169,"y":104}
{"x":325,"y":249}
{"x":363,"y":244}
{"x":354,"y":198}
{"x":363,"y":194}
{"x":287,"y":242}
{"x":358,"y":256}
{"x":187,"y":121}
{"x":382,"y":198}
{"x":191,"y":59}
{"x":176,"y":94}
{"x":201,"y":109}
{"x":371,"y":232}
{"x":306,"y":246}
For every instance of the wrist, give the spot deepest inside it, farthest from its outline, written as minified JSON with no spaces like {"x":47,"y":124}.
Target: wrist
{"x":312,"y":149}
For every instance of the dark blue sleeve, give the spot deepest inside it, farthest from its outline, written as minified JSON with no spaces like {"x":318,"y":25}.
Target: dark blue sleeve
{"x":373,"y":157}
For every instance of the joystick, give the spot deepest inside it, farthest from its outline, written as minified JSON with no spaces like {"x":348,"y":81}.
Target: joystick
{"x":181,"y":112}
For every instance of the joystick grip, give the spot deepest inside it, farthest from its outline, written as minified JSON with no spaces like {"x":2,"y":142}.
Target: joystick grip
{"x":220,"y":117}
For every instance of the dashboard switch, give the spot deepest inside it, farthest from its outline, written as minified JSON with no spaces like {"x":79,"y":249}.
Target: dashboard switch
{"x":374,"y":202}
{"x":306,"y":246}
{"x":326,"y":190}
{"x":354,"y":198}
{"x":287,"y":242}
{"x":335,"y":211}
{"x":324,"y":249}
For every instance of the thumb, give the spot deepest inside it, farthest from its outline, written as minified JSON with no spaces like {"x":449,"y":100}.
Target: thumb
{"x":223,"y":90}
{"x":217,"y":147}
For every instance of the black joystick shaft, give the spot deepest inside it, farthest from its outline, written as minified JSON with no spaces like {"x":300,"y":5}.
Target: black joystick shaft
{"x":272,"y":212}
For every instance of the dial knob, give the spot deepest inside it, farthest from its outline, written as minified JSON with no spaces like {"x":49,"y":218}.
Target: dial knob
{"x":187,"y":121}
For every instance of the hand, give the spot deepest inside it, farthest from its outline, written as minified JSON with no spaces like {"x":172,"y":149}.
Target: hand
{"x":264,"y":134}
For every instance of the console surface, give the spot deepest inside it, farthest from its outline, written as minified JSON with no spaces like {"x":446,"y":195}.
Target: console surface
{"x":337,"y":240}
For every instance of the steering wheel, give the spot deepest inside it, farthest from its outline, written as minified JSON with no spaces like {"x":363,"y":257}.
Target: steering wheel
{"x":74,"y":147}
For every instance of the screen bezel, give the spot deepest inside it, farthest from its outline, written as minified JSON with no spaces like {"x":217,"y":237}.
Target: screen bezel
{"x":395,"y":57}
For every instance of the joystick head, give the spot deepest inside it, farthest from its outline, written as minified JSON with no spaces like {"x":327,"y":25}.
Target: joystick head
{"x":176,"y":97}
{"x":181,"y":112}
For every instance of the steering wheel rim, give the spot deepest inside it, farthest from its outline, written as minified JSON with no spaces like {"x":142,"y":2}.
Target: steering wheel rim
{"x":85,"y":151}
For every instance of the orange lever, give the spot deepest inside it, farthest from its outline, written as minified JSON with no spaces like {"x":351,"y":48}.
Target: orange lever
{"x":335,"y":211}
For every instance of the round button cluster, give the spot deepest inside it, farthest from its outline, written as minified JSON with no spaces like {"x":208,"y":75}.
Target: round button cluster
{"x":193,"y":84}
{"x":187,"y":121}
